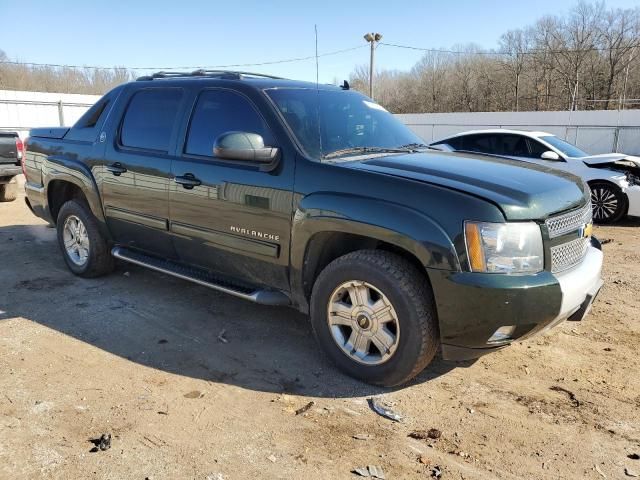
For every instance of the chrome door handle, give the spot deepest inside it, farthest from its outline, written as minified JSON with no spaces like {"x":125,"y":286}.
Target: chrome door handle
{"x":188,"y":181}
{"x":116,"y":168}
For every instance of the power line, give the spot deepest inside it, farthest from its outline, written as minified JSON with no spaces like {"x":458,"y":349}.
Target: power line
{"x":493,"y":52}
{"x":206,"y":67}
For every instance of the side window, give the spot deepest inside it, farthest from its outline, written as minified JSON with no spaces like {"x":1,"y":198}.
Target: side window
{"x":150,"y":118}
{"x":480,"y":143}
{"x":536,"y":148}
{"x":513,"y":145}
{"x":220,"y":111}
{"x":91,"y":116}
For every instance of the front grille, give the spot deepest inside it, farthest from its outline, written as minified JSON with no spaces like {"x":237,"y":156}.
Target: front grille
{"x":569,"y":222}
{"x":568,"y":254}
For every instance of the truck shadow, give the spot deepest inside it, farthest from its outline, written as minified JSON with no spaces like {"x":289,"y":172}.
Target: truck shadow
{"x":169,"y":324}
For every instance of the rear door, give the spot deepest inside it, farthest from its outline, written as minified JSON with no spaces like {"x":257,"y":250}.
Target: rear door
{"x":235,"y":219}
{"x":137,"y":167}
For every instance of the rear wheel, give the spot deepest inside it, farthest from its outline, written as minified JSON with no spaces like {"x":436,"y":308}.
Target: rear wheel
{"x":373,"y":314}
{"x":608,"y":202}
{"x":83,"y":247}
{"x":9,"y":191}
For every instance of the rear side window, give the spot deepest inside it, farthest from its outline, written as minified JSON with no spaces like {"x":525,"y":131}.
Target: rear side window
{"x":218,"y":112}
{"x":150,"y":118}
{"x":91,"y":116}
{"x":479,"y":143}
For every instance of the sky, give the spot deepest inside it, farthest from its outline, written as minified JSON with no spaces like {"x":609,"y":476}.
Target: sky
{"x":162,"y":34}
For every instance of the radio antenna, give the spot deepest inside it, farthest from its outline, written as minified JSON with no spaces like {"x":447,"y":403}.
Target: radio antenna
{"x":315,"y":27}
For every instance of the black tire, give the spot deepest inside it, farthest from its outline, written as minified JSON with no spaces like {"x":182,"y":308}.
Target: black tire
{"x":608,"y":201}
{"x":99,"y":260}
{"x":9,"y":191}
{"x":409,"y":292}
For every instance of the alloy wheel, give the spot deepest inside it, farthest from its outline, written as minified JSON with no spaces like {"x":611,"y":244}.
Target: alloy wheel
{"x":76,"y":240}
{"x":363,"y":322}
{"x":604,"y":202}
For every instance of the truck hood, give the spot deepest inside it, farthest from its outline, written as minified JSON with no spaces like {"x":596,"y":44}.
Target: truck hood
{"x":610,"y":158}
{"x":522,"y":190}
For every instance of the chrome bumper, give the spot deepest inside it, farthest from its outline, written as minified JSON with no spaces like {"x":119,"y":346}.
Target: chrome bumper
{"x":580,"y":286}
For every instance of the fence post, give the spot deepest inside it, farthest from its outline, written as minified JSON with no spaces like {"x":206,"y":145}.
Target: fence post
{"x":61,"y":113}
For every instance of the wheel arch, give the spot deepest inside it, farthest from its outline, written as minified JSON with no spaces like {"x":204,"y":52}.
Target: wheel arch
{"x":615,"y":186}
{"x":65,"y":181}
{"x":320,"y":236}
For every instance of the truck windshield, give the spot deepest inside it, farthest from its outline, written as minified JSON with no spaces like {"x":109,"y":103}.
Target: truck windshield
{"x":565,"y":147}
{"x":336,"y":123}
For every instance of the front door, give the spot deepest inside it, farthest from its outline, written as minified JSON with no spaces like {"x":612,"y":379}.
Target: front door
{"x":137,"y":169}
{"x":229,"y":216}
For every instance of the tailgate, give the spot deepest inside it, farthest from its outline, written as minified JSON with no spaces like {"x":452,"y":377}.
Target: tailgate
{"x":8,"y":151}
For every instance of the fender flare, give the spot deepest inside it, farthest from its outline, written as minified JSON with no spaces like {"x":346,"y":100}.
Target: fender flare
{"x":392,"y":223}
{"x":76,"y":173}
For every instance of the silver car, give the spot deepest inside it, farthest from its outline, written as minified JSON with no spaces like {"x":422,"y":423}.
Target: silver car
{"x":614,"y":178}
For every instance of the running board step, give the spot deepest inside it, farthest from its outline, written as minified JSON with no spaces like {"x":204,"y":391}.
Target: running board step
{"x":201,"y":277}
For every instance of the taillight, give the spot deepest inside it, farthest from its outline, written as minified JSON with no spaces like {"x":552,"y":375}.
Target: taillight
{"x":21,"y":147}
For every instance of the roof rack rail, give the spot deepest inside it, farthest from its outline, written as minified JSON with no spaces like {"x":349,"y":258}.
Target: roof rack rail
{"x":222,"y":74}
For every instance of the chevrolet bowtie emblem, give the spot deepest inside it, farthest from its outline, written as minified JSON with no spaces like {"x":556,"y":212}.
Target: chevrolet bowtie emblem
{"x":586,"y":230}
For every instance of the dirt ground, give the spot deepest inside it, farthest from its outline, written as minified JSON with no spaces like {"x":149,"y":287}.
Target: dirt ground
{"x":195,"y":384}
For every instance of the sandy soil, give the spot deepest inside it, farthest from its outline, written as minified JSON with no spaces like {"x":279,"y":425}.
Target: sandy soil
{"x":141,"y":356}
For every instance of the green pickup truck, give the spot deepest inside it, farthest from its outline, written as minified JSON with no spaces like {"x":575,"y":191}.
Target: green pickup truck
{"x":290,"y":193}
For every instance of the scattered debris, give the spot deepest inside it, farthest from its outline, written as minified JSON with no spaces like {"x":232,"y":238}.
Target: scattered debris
{"x":302,"y":410}
{"x":272,"y":458}
{"x":423,"y":459}
{"x":436,"y":471}
{"x":572,"y":396}
{"x":634,"y":456}
{"x":384,"y":411}
{"x":215,"y":476}
{"x":370,"y":471}
{"x":604,"y":241}
{"x":432,"y":433}
{"x":162,"y":341}
{"x":608,"y":349}
{"x":221,"y":337}
{"x":101,"y":444}
{"x":363,"y":436}
{"x":630,"y":473}
{"x":471,"y":410}
{"x":160,"y":412}
{"x":597,"y":469}
{"x":194,"y":394}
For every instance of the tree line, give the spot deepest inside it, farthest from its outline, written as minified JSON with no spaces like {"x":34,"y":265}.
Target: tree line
{"x":588,"y":59}
{"x":46,"y":78}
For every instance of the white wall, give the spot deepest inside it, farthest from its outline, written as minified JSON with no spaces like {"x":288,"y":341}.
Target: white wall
{"x":20,"y":111}
{"x":595,"y":131}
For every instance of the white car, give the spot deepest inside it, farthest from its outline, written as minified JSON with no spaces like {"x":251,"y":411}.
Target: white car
{"x":614,"y":178}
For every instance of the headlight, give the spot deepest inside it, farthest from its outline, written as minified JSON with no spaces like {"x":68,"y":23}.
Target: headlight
{"x":504,"y":247}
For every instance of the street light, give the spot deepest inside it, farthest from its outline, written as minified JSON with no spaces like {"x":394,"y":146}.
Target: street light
{"x":372,"y":38}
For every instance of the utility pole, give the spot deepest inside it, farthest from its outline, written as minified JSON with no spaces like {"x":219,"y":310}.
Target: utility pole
{"x":372,"y":38}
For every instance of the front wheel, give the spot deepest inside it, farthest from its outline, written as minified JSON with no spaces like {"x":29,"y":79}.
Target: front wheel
{"x":608,"y":202}
{"x":84,"y":249}
{"x":373,"y":314}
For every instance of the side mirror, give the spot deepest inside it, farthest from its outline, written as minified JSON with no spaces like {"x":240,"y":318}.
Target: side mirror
{"x":550,"y":155}
{"x":244,"y":146}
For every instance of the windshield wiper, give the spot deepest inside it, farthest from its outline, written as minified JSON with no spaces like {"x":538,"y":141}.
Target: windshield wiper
{"x":414,"y":146}
{"x":350,"y":150}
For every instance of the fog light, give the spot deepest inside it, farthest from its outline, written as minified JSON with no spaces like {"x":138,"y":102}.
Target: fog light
{"x":503,"y":334}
